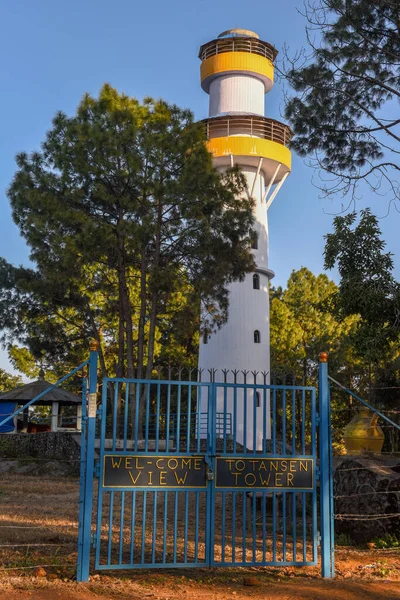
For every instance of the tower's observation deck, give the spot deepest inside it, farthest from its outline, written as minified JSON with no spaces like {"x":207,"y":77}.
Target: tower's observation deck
{"x":249,"y":138}
{"x":237,"y":71}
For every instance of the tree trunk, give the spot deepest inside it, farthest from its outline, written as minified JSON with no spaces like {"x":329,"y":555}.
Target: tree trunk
{"x":152,"y":334}
{"x":141,"y":346}
{"x":154,"y":285}
{"x":125,"y":331}
{"x":153,"y":306}
{"x":120,"y":367}
{"x":142,"y":313}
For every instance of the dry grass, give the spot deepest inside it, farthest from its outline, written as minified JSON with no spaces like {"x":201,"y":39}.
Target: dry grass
{"x":38,"y":521}
{"x":44,"y":510}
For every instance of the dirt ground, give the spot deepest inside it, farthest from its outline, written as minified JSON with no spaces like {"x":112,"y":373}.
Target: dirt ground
{"x":38,"y":526}
{"x":200,"y":586}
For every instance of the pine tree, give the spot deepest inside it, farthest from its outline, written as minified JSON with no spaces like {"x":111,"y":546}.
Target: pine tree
{"x":343,"y":90}
{"x":128,"y":225}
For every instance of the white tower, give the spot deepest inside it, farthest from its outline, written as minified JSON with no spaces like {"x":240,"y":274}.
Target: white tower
{"x":237,"y":71}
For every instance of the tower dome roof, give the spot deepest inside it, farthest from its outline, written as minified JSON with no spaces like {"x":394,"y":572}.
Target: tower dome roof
{"x":239,"y":33}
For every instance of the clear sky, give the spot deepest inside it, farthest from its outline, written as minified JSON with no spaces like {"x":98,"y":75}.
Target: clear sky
{"x":53,"y":52}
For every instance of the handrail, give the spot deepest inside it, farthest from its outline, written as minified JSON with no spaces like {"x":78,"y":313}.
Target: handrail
{"x":253,"y":126}
{"x":223,"y":422}
{"x":375,"y":410}
{"x":251,"y":45}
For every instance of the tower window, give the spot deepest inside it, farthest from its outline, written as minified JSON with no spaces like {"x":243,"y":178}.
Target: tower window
{"x":205,"y":337}
{"x":258,"y":400}
{"x":256,"y":282}
{"x":257,"y":337}
{"x":254,"y":240}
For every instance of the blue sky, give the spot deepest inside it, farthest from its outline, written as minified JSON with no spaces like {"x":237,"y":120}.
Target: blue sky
{"x":54,"y":52}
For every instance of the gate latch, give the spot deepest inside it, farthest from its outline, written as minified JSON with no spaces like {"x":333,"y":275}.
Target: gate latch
{"x":209,"y":472}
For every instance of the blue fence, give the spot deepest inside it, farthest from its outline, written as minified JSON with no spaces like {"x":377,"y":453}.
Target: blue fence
{"x":203,"y":474}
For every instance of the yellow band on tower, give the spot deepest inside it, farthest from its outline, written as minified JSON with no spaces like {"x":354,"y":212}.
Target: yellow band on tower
{"x":237,"y":61}
{"x":250,"y":146}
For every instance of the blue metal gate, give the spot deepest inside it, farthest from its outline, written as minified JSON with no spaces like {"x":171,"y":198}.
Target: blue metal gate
{"x":154,"y":501}
{"x":265,"y":500}
{"x":182,"y":488}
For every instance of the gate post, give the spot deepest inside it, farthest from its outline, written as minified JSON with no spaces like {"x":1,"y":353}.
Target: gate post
{"x":86,"y":491}
{"x":82,"y":473}
{"x":210,"y":461}
{"x":325,"y":469}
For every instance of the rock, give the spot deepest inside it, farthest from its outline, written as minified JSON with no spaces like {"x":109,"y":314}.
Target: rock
{"x":52,"y":576}
{"x":251,"y":581}
{"x":364,"y":487}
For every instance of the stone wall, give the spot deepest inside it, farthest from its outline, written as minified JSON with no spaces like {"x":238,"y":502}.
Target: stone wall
{"x":61,"y":446}
{"x":366,"y":487}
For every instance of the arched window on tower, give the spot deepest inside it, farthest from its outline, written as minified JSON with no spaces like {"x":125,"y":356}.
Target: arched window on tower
{"x":256,"y":281}
{"x":257,"y":337}
{"x":258,"y":399}
{"x":205,"y":337}
{"x":254,"y":240}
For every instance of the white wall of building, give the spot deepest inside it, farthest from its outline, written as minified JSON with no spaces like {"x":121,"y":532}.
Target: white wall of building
{"x":233,"y":347}
{"x":236,"y":93}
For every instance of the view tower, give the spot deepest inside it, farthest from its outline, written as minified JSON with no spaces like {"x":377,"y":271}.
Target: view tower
{"x":237,"y":70}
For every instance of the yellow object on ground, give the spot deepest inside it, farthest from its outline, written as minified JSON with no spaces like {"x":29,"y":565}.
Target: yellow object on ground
{"x":363,"y":434}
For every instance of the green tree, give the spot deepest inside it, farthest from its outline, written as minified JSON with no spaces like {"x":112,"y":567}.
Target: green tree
{"x":302,"y":325}
{"x":129,"y":226}
{"x":343,"y":90}
{"x":368,"y":289}
{"x":51,"y":320}
{"x":8,"y":382}
{"x":367,"y":286}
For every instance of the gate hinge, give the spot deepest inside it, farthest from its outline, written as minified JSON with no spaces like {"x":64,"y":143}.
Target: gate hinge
{"x":99,"y":412}
{"x":93,"y":540}
{"x":317,"y":473}
{"x":317,"y":420}
{"x":318,"y":538}
{"x":97,"y":468}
